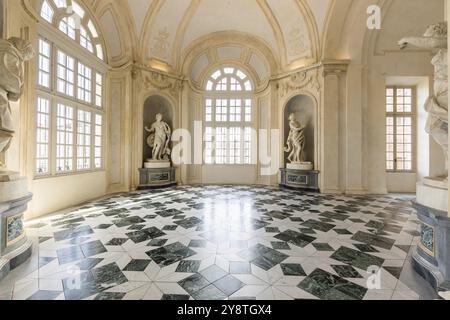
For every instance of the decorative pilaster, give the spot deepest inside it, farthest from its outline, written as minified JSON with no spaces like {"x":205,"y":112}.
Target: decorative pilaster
{"x":333,"y":73}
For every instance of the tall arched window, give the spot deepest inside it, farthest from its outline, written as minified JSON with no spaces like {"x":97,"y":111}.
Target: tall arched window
{"x":228,"y":117}
{"x":71,"y":19}
{"x":70,"y":91}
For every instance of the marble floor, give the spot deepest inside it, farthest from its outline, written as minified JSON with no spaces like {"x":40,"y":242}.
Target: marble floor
{"x":223,"y":242}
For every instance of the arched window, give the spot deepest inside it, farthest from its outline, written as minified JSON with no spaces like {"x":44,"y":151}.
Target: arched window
{"x":228,"y":117}
{"x":70,"y":91}
{"x":71,"y":19}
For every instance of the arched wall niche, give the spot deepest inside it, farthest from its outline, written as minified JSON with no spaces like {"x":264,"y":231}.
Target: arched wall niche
{"x":153,"y":105}
{"x":304,"y":106}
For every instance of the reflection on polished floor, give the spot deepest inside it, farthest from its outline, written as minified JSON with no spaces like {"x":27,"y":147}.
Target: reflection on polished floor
{"x":223,"y":242}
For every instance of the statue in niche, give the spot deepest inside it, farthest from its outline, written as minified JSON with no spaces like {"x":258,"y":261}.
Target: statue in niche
{"x":296,"y":141}
{"x":14,"y":52}
{"x":159,"y":139}
{"x":435,"y":39}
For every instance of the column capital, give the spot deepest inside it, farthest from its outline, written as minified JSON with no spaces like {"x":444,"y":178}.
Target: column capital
{"x":334,"y":67}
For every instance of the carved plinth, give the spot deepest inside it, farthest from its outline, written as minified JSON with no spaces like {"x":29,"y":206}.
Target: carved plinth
{"x":15,"y":247}
{"x":300,"y":180}
{"x":431,"y":258}
{"x":157,"y":178}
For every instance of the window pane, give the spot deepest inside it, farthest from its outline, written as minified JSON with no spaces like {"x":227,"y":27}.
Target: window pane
{"x":84,"y":140}
{"x":98,"y":90}
{"x":65,"y":74}
{"x":84,"y":83}
{"x":47,"y":12}
{"x":43,"y":136}
{"x":98,"y":143}
{"x":44,"y":63}
{"x":64,"y":140}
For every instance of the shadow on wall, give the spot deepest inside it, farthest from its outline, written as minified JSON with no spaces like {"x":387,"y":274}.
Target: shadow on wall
{"x":304,"y":109}
{"x":152,"y":106}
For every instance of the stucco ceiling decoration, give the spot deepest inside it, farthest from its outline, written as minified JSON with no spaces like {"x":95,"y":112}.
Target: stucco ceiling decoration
{"x":290,"y":28}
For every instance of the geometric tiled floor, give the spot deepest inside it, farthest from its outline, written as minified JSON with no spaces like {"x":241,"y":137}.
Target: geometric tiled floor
{"x":223,"y":242}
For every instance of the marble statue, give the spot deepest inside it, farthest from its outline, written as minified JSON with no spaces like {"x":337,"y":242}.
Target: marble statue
{"x":435,"y":39}
{"x":296,"y":141}
{"x":159,"y":139}
{"x":13,"y":53}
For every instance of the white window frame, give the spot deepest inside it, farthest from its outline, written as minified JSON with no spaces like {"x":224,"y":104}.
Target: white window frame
{"x":56,"y":98}
{"x":396,"y":115}
{"x":219,"y":92}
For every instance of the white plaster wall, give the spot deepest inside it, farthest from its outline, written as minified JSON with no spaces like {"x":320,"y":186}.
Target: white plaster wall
{"x":58,"y":193}
{"x":217,"y":174}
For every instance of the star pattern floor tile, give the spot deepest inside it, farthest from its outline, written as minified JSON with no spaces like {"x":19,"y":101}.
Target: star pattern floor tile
{"x":221,"y":242}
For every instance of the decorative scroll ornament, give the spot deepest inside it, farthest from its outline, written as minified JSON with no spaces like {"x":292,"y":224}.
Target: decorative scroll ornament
{"x":299,"y":81}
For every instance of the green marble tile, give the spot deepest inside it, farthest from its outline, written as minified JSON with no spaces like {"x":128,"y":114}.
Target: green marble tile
{"x":356,"y":258}
{"x":327,"y":286}
{"x":373,"y":240}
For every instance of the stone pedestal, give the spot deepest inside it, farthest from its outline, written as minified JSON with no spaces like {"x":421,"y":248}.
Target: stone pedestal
{"x":15,"y":247}
{"x":157,"y":164}
{"x":305,"y":180}
{"x":431,"y":258}
{"x":300,"y":166}
{"x":157,"y":177}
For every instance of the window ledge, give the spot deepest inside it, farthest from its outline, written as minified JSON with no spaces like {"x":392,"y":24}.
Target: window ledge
{"x":67,"y":174}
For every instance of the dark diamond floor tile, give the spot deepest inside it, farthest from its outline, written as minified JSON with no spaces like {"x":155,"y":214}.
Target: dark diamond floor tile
{"x":326,"y":286}
{"x":280,"y":246}
{"x":108,"y":296}
{"x":240,"y":268}
{"x":299,"y":239}
{"x":103,"y":226}
{"x":272,"y":230}
{"x":73,"y":233}
{"x":70,"y":254}
{"x":120,"y":223}
{"x":137,"y":265}
{"x":189,"y":223}
{"x":93,"y":248}
{"x":188,"y":266}
{"x":136,"y":227}
{"x":170,"y":254}
{"x":292,"y":269}
{"x":170,"y":228}
{"x":145,"y":235}
{"x":357,"y":259}
{"x":342,"y":231}
{"x":346,"y":271}
{"x":318,"y":225}
{"x":322,"y":247}
{"x":334,"y":216}
{"x":157,"y":243}
{"x":198,"y":243}
{"x":365,"y":248}
{"x":376,"y":241}
{"x":194,"y":283}
{"x":117,"y":242}
{"x":229,"y":285}
{"x":213,"y":273}
{"x":89,"y":264}
{"x":209,"y":293}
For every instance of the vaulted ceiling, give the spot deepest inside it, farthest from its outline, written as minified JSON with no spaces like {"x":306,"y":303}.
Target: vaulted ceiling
{"x":188,"y":37}
{"x":165,"y":30}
